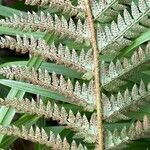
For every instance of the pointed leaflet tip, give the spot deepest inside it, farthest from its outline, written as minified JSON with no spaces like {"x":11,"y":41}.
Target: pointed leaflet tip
{"x":142,"y":88}
{"x":146,"y":123}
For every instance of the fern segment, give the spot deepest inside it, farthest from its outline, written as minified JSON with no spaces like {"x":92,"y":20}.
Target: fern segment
{"x":61,"y":5}
{"x":106,"y":12}
{"x":113,"y":75}
{"x":121,"y":139}
{"x":79,"y":95}
{"x":77,"y":123}
{"x":116,"y":108}
{"x":39,"y":136}
{"x":129,"y":26}
{"x":62,"y":55}
{"x":46,"y":23}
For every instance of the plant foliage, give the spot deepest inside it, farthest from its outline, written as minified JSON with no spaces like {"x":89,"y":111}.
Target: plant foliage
{"x":49,"y":94}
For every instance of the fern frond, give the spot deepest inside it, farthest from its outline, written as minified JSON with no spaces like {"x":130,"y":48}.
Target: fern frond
{"x":105,"y":12}
{"x":129,"y":26}
{"x":39,"y":136}
{"x":121,"y":139}
{"x":63,"y":6}
{"x":78,"y":95}
{"x":62,"y":55}
{"x":77,"y":123}
{"x":113,"y":75}
{"x":45,"y":22}
{"x":37,"y":108}
{"x":116,"y":108}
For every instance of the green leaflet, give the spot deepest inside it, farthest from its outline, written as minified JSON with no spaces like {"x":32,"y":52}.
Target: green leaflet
{"x":6,"y":11}
{"x":32,"y":89}
{"x":143,"y":38}
{"x":146,"y":72}
{"x":12,"y":31}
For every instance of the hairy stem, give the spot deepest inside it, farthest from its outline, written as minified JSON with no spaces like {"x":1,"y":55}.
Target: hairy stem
{"x":96,"y":75}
